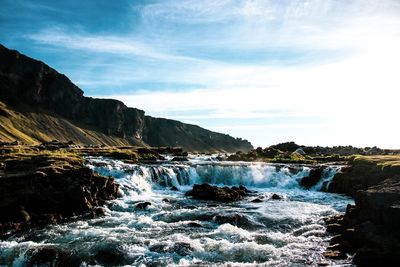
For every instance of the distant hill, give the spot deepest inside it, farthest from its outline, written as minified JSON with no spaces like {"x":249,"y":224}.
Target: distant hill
{"x":39,"y":104}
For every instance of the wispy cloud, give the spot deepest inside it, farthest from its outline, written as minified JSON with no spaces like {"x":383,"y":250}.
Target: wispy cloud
{"x":102,"y":44}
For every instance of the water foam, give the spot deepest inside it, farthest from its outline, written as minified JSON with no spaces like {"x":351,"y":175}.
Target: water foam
{"x":144,"y":178}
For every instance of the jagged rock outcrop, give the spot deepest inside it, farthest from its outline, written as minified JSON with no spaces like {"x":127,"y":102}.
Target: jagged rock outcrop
{"x":47,"y":197}
{"x":37,"y":103}
{"x":368,"y":229}
{"x":39,"y":187}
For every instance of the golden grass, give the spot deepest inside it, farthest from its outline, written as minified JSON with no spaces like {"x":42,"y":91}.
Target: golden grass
{"x":28,"y":159}
{"x":380,"y":160}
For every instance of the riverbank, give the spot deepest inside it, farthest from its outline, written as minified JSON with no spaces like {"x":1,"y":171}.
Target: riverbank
{"x":368,"y":229}
{"x":40,"y":187}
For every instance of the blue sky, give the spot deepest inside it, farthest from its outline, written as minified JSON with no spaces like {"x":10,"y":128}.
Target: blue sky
{"x":318,"y":72}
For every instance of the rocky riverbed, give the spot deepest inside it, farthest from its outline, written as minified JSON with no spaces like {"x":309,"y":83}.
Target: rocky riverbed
{"x":265,"y":213}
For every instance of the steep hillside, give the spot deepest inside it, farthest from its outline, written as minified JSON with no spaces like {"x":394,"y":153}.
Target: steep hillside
{"x":39,"y":104}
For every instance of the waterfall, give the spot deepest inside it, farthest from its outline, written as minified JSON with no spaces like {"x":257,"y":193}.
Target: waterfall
{"x":144,"y":178}
{"x":326,"y":178}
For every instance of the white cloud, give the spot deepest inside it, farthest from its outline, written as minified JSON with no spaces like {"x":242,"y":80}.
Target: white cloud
{"x":357,"y":95}
{"x":102,"y":44}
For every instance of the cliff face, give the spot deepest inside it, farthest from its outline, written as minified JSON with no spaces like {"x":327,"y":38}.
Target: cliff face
{"x":161,"y":132}
{"x":34,"y":84}
{"x":38,"y":103}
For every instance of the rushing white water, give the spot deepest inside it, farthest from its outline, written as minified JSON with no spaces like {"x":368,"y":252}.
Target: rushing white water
{"x":255,"y":175}
{"x":178,"y":231}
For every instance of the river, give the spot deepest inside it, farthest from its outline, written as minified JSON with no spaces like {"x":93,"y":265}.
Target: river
{"x":175,"y":230}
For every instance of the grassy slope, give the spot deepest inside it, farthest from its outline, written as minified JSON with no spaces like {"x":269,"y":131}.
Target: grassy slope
{"x":33,"y":128}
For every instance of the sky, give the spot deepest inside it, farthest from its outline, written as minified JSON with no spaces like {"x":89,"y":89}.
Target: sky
{"x":317,"y":72}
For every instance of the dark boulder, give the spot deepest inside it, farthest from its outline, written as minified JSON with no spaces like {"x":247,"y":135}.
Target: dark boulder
{"x":142,"y":205}
{"x":234,"y":219}
{"x":194,"y":224}
{"x":276,"y":197}
{"x":98,"y":212}
{"x":181,"y":159}
{"x":52,"y":256}
{"x":312,"y":178}
{"x":225,"y":194}
{"x":110,"y":255}
{"x":237,"y":219}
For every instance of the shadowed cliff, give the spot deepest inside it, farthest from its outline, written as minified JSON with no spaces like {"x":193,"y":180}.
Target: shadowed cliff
{"x":39,"y":104}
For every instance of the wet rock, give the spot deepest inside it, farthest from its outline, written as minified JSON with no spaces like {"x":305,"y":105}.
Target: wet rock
{"x":174,"y":188}
{"x":52,"y":218}
{"x":334,"y":219}
{"x":256,"y":200}
{"x":51,"y":256}
{"x":98,"y":212}
{"x":370,"y":228}
{"x":50,"y":195}
{"x":334,"y":228}
{"x":276,"y":197}
{"x":182,"y":248}
{"x":142,"y":205}
{"x":159,"y":248}
{"x":194,"y":224}
{"x":236,"y":219}
{"x":313,"y":177}
{"x":110,"y":256}
{"x":225,"y":194}
{"x":181,"y":159}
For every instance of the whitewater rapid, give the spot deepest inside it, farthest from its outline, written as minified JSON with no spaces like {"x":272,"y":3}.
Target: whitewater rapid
{"x":178,"y":231}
